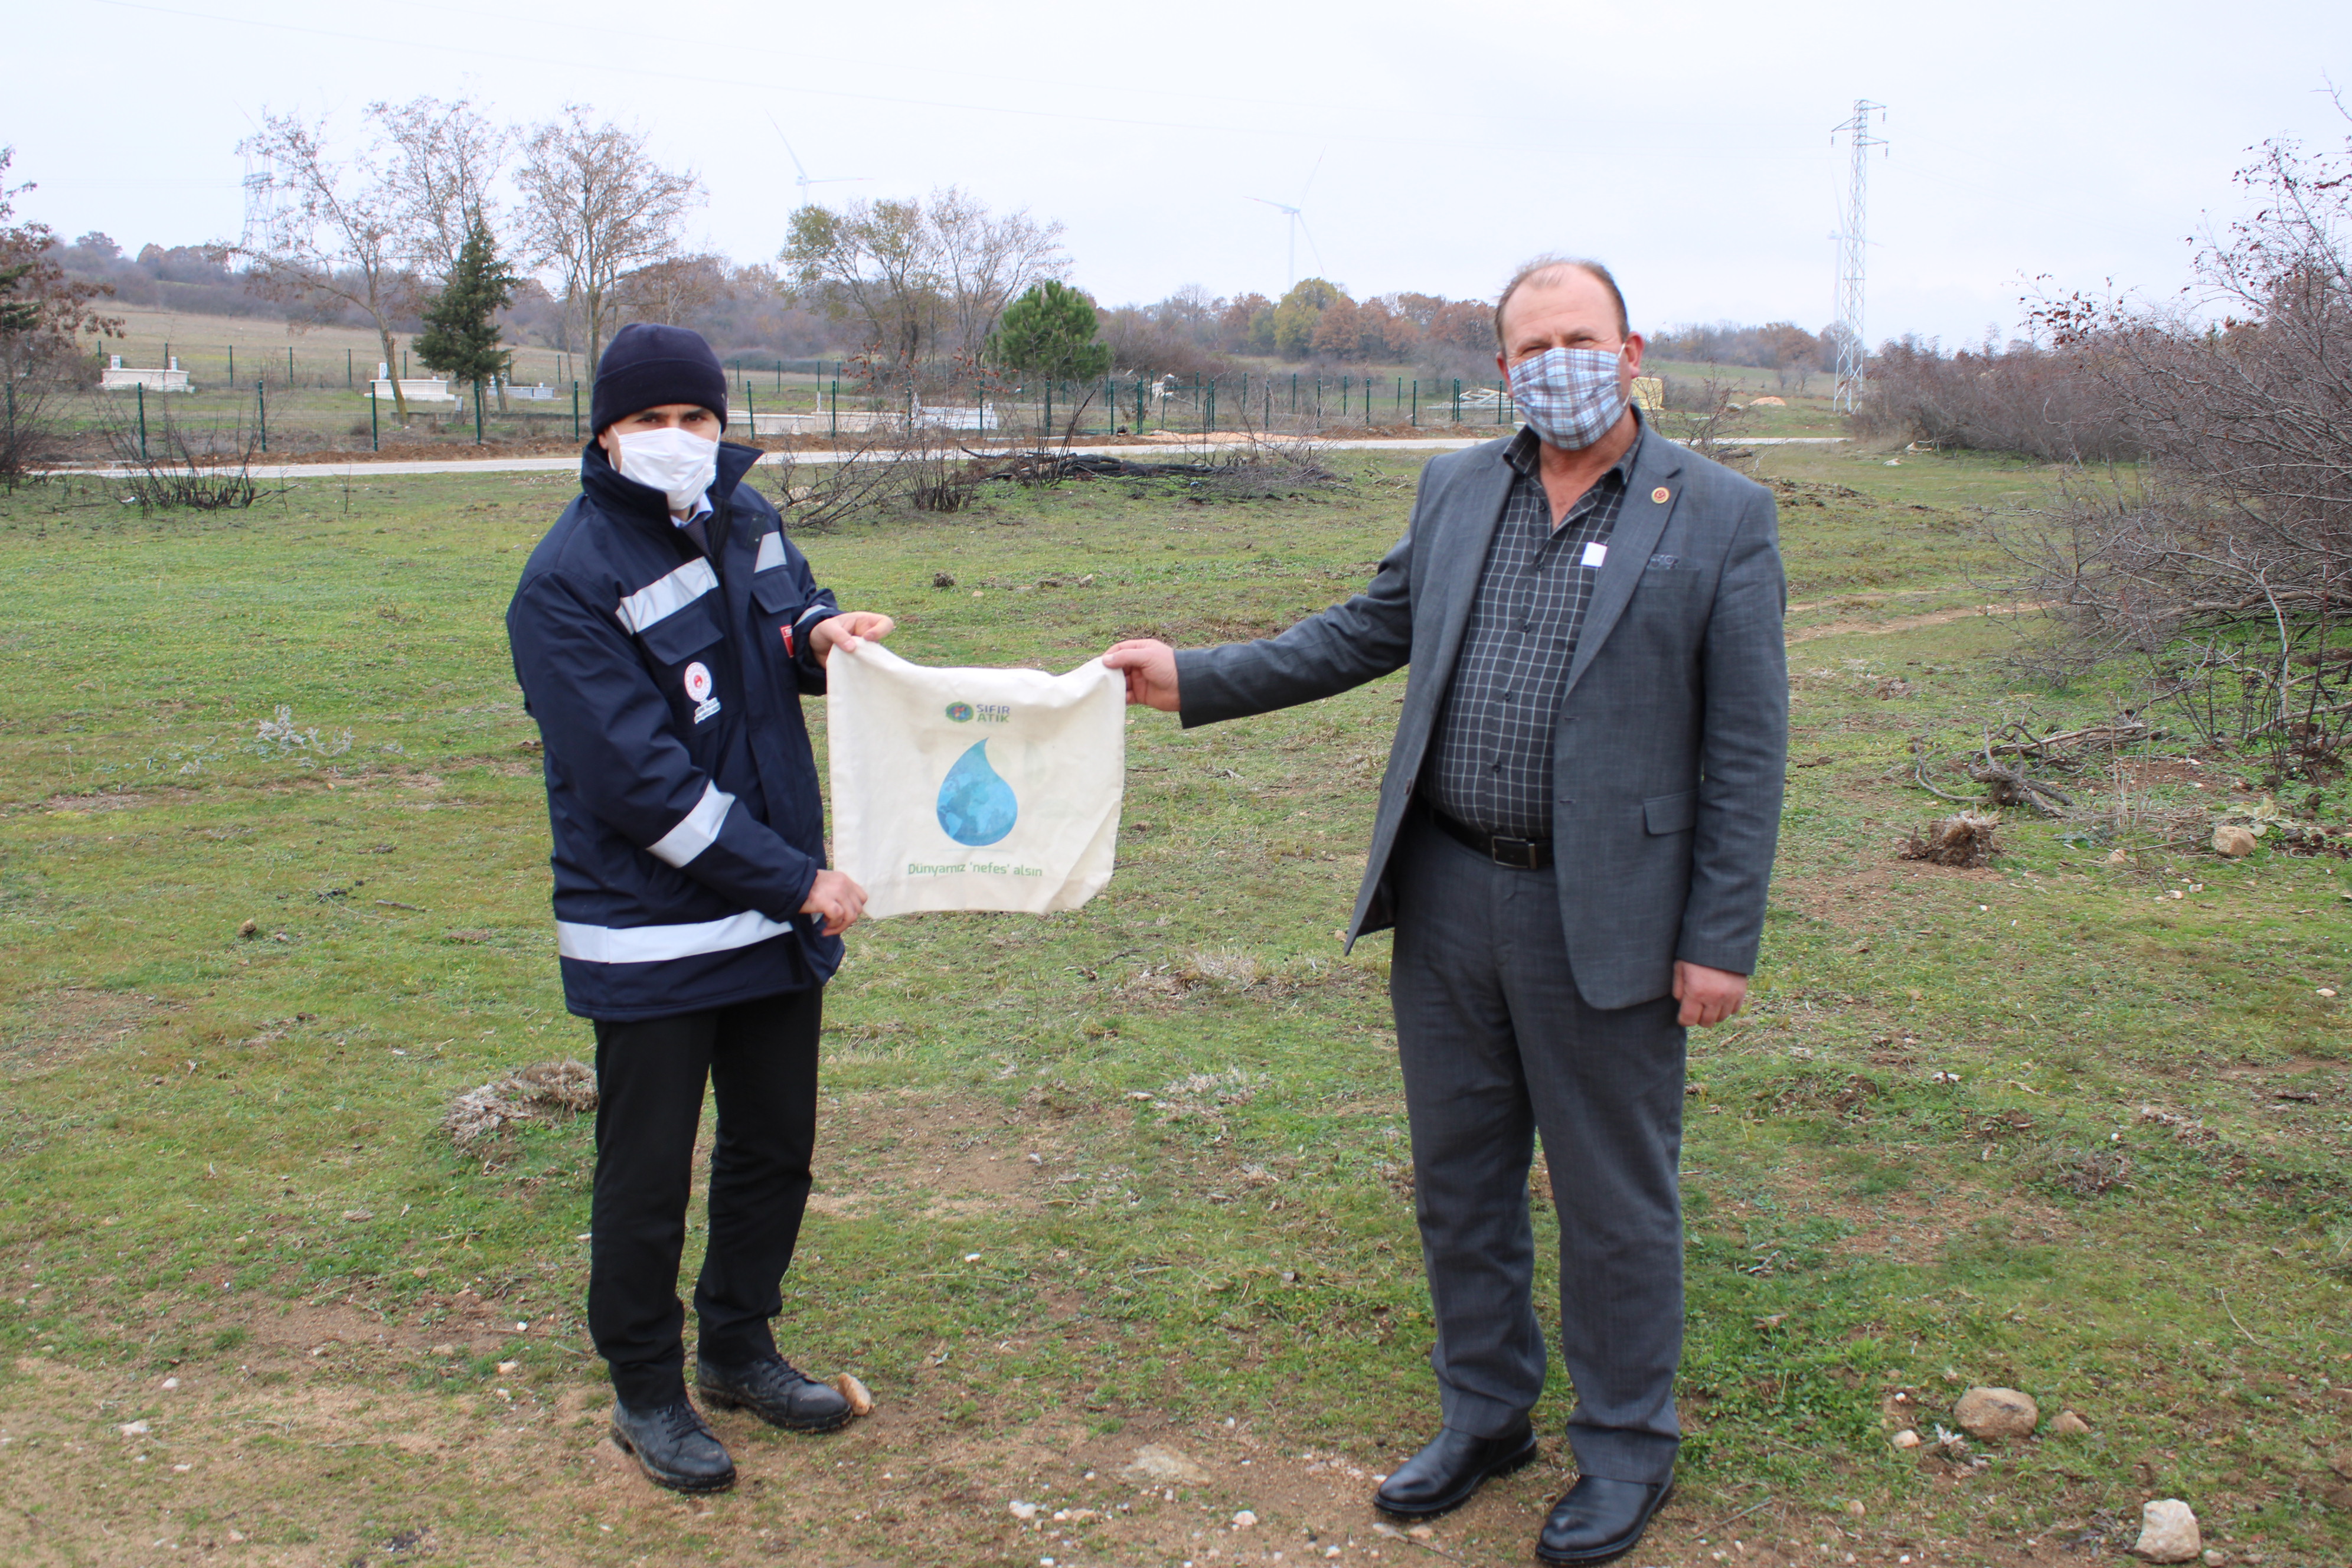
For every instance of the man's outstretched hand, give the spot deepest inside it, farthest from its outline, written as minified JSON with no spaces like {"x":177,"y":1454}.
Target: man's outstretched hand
{"x":850,"y":630}
{"x":1149,"y":666}
{"x":835,"y":898}
{"x":1708,"y":996}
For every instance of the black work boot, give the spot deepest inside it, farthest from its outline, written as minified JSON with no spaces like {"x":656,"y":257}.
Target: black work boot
{"x":773,"y":1390}
{"x":674,"y":1447}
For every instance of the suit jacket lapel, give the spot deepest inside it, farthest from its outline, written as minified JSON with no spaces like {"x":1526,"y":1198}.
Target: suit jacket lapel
{"x":1485,"y":493}
{"x":1649,"y":497}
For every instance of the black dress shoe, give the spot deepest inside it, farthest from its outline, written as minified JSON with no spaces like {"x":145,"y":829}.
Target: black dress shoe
{"x":673,"y":1447}
{"x":774,"y":1391}
{"x":1600,"y":1521}
{"x":1442,"y":1477}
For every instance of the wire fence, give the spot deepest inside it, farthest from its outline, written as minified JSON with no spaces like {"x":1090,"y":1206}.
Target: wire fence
{"x":298,"y":406}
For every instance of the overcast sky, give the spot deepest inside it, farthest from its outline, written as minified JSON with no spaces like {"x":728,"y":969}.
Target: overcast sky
{"x":1686,"y":145}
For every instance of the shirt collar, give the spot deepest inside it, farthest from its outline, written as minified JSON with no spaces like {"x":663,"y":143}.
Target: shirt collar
{"x":701,"y":509}
{"x":1521,"y":453}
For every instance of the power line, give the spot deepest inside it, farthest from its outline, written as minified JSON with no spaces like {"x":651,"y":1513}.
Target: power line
{"x":1854,"y":222}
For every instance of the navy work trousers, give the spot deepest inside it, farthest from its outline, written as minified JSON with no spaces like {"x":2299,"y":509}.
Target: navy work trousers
{"x":760,"y":1059}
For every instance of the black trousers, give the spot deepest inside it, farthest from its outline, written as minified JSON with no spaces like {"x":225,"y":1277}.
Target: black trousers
{"x":761,"y":1058}
{"x":1498,"y":1046}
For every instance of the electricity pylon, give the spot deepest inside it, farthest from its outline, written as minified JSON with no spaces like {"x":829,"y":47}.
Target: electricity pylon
{"x":1852,"y":225}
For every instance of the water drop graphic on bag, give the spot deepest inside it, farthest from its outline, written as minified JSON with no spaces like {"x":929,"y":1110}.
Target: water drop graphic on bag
{"x":975,"y":805}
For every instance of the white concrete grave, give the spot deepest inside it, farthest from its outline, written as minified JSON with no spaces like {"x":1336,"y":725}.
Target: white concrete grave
{"x":413,"y":389}
{"x":118,"y":377}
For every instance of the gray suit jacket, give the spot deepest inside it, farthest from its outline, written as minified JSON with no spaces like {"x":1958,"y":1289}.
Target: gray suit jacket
{"x":1672,"y":734}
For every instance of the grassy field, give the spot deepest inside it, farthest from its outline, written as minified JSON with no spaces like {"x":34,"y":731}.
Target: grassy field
{"x":1112,"y":1207}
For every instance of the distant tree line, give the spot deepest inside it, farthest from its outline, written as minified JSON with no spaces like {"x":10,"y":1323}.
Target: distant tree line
{"x":1793,"y":354}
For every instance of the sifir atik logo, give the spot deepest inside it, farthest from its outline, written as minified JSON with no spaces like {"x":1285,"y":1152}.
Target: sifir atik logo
{"x":986,"y":712}
{"x":698,"y":690}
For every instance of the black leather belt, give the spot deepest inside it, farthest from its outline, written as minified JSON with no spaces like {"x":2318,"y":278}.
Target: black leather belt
{"x":1519,"y":854}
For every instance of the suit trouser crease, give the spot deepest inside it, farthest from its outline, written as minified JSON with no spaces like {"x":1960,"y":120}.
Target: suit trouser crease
{"x":1497,"y":1046}
{"x":761,"y":1060}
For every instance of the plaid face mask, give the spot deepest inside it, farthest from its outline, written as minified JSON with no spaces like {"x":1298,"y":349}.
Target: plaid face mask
{"x":1571,"y":396}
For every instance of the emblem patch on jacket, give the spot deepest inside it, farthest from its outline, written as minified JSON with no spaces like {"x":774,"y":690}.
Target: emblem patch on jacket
{"x":697,"y":688}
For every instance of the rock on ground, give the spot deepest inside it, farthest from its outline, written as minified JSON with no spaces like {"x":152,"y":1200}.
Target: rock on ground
{"x":2070,"y":1424}
{"x":2168,"y":1532}
{"x":1164,"y":1466}
{"x":2233,"y":842}
{"x":1987,"y":1413}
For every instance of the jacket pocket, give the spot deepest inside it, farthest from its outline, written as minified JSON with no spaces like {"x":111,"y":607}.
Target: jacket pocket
{"x":1671,"y":813}
{"x":776,"y":592}
{"x":674,"y":640}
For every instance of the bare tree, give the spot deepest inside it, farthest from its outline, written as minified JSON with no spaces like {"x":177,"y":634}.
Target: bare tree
{"x":2227,"y":561}
{"x":42,"y":313}
{"x":335,"y":238}
{"x":440,"y":165}
{"x":928,"y":279}
{"x":596,"y":205}
{"x":672,"y":290}
{"x":986,"y":263}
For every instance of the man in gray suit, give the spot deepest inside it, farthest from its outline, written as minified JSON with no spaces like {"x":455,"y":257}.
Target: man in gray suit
{"x":1575,"y":834}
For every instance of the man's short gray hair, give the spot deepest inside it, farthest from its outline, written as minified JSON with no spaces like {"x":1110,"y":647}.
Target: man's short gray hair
{"x":1545,"y":269}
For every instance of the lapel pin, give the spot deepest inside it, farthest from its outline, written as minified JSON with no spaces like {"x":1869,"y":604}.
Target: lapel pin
{"x":1659,"y":495}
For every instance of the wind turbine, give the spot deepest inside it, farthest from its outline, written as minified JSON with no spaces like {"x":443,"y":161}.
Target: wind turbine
{"x":1296,"y":213}
{"x":802,"y":181}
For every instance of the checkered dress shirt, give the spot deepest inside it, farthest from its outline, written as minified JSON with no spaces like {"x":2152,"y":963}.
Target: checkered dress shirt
{"x":1491,"y":765}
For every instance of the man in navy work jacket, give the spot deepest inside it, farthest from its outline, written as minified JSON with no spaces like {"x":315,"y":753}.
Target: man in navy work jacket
{"x":664,"y":632}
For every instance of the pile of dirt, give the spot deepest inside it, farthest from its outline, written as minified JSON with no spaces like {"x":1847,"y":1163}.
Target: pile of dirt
{"x":543,"y":1091}
{"x":1965,"y":840}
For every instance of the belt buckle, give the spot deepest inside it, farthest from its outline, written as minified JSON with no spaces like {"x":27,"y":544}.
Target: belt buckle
{"x":1516,"y":854}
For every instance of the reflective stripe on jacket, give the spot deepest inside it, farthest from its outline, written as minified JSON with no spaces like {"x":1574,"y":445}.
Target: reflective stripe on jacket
{"x":681,"y":790}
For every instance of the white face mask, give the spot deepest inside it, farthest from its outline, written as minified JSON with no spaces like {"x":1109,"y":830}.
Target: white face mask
{"x":674,"y":461}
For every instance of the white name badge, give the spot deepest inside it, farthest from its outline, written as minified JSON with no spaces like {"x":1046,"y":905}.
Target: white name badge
{"x":1595,"y":552}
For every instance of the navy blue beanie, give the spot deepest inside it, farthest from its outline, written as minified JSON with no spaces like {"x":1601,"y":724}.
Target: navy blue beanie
{"x":646,"y":366}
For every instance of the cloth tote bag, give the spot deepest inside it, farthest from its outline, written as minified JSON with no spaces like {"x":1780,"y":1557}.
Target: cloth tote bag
{"x":973,"y":789}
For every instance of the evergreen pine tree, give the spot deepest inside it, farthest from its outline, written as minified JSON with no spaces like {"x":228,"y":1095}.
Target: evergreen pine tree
{"x":461,"y":332}
{"x":1049,"y":332}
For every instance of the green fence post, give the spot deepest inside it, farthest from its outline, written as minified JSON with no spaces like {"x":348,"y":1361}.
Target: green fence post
{"x":1048,"y":426}
{"x":836,"y":408}
{"x":376,"y":433}
{"x":1294,"y":392}
{"x":261,"y":410}
{"x":289,"y":366}
{"x":1502,"y":389}
{"x":477,"y":411}
{"x":232,"y":364}
{"x":1416,"y":402}
{"x":1209,"y":409}
{"x":351,"y":379}
{"x":750,"y":412}
{"x":1457,"y":400}
{"x":575,"y":411}
{"x":142,"y":390}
